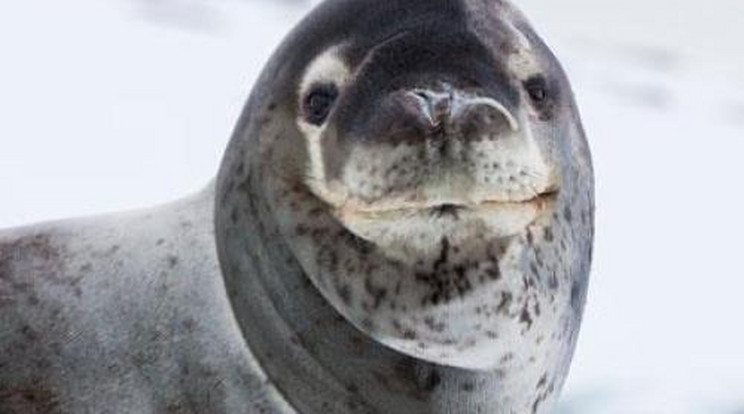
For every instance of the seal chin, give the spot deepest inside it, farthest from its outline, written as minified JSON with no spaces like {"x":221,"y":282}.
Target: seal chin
{"x":416,"y":230}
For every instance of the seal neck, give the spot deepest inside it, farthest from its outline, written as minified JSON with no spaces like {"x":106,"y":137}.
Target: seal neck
{"x":315,"y":357}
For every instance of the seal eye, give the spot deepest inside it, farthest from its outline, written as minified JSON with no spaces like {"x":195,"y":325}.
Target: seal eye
{"x":318,"y":102}
{"x":537,"y":89}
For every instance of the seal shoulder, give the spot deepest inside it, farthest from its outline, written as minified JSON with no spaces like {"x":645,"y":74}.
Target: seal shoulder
{"x":80,"y":260}
{"x":125,"y":310}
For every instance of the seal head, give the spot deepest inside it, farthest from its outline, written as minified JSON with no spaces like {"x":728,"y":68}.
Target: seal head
{"x":422,"y":164}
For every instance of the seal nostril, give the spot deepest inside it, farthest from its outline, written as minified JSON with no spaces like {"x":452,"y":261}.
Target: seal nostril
{"x":413,"y":116}
{"x":436,"y":117}
{"x":490,"y":110}
{"x":437,"y":105}
{"x":422,"y":95}
{"x":476,"y":121}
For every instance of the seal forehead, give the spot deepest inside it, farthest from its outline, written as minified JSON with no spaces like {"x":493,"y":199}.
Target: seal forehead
{"x":364,"y":25}
{"x":508,"y":34}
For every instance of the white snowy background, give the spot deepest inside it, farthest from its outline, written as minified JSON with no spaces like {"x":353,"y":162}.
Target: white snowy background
{"x":115,"y":104}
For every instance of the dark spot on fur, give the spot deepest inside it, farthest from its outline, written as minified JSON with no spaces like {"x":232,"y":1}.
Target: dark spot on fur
{"x":351,"y":404}
{"x":528,"y":282}
{"x":29,"y":333}
{"x":534,"y":270}
{"x":378,"y":294}
{"x":443,"y":254}
{"x":178,"y":407}
{"x":361,"y":246}
{"x":189,"y":324}
{"x":410,"y":334}
{"x":245,"y":187}
{"x":315,"y":212}
{"x":432,"y":381}
{"x":542,"y":396}
{"x":543,"y":381}
{"x":548,"y":234}
{"x":446,"y":281}
{"x":367,"y":324}
{"x":508,"y":357}
{"x":567,"y":214}
{"x":35,"y":397}
{"x":525,"y":317}
{"x":507,"y":47}
{"x":590,"y":253}
{"x":506,"y":299}
{"x":344,"y":292}
{"x":576,"y":293}
{"x":493,"y":272}
{"x":328,"y":258}
{"x":172,"y":261}
{"x":553,"y":281}
{"x":530,"y":238}
{"x":433,"y":325}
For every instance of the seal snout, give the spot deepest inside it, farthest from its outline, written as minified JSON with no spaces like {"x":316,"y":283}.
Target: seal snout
{"x":418,"y":115}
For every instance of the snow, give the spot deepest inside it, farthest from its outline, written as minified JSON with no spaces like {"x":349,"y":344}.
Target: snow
{"x":661,"y":94}
{"x":110,"y":105}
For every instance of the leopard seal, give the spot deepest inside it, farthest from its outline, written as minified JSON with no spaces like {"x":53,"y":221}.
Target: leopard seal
{"x":402,"y":223}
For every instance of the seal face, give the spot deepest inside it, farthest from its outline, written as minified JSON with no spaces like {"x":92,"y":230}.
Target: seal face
{"x":421,"y":158}
{"x":423,"y":165}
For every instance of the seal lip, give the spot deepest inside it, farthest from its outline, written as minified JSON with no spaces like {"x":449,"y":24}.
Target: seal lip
{"x":540,"y":202}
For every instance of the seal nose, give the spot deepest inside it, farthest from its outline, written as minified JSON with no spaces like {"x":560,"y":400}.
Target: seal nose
{"x":435,"y":107}
{"x":445,"y":114}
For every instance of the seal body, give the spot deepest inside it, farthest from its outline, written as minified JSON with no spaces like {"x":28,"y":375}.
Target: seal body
{"x":402,"y":222}
{"x":123,"y":314}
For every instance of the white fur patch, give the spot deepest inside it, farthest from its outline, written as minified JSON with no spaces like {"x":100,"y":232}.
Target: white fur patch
{"x":524,"y":62}
{"x":328,"y":67}
{"x":522,"y":40}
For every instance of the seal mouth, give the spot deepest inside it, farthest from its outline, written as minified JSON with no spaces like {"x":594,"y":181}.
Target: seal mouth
{"x":451,"y":209}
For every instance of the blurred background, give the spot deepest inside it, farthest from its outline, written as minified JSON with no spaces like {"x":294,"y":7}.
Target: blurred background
{"x":116,"y":104}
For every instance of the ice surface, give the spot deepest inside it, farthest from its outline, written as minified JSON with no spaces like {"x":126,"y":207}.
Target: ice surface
{"x":109,"y":105}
